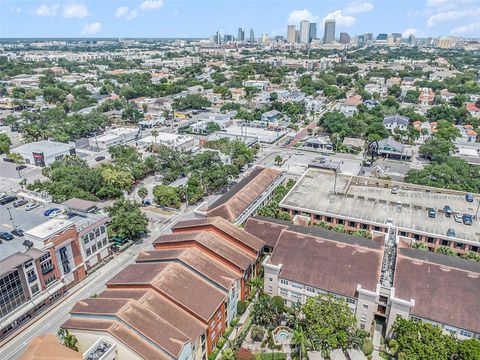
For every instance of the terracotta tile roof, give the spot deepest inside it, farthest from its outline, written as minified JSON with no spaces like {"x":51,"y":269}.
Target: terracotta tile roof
{"x":472,"y":107}
{"x":238,"y":198}
{"x":343,"y":260}
{"x":176,"y":283}
{"x":212,"y":242}
{"x":122,"y":293}
{"x":197,"y":260}
{"x":445,"y":289}
{"x":47,"y":347}
{"x":132,"y":341}
{"x":226,"y":227}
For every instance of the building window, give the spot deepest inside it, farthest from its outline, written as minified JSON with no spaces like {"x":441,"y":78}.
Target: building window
{"x":49,"y":280}
{"x":270,"y":279}
{"x":362,"y":326}
{"x":364,"y":317}
{"x":350,"y":301}
{"x":102,"y":229}
{"x":97,"y":232}
{"x":11,"y":293}
{"x":85,"y":239}
{"x":89,"y":252}
{"x":365,"y":306}
{"x":466,"y":333}
{"x":352,"y":223}
{"x":296,"y":295}
{"x":104,"y":242}
{"x":283,"y":292}
{"x":283,"y":281}
{"x":445,"y":243}
{"x":35,"y":289}
{"x":270,"y":289}
{"x":91,"y":235}
{"x":310,"y":289}
{"x":297,"y":286}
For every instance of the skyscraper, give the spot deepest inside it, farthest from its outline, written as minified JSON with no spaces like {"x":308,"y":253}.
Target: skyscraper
{"x":368,"y":37}
{"x":344,"y":38}
{"x":252,"y":36}
{"x":382,"y":37}
{"x":412,"y":40}
{"x":241,"y":34}
{"x":291,"y":34}
{"x":329,"y":34}
{"x":312,"y":32}
{"x":304,"y":31}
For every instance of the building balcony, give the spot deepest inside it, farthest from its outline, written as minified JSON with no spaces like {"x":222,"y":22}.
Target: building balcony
{"x":47,"y":270}
{"x":32,"y":278}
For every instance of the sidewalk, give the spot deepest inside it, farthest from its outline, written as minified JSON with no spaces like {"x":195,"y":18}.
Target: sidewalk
{"x":377,"y":336}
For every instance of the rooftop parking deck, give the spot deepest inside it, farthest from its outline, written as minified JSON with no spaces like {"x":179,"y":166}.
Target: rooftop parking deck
{"x":372,"y":201}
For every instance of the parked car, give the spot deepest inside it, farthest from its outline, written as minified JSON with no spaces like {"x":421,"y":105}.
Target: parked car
{"x":31,"y":206}
{"x":448,"y":210}
{"x":100,"y":158}
{"x":467,"y":219}
{"x":469,"y":198}
{"x":7,"y":199}
{"x":432,"y":213}
{"x":49,"y":211}
{"x":20,"y":167}
{"x":6,"y":236}
{"x":458,"y":218}
{"x":17,"y":232}
{"x":451,"y":232}
{"x":395,"y":189}
{"x":6,"y":159}
{"x":19,"y":203}
{"x":55,"y":213}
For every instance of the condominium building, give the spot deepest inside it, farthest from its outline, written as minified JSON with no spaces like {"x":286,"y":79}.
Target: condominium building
{"x":187,"y":287}
{"x":329,"y":33}
{"x":304,"y":31}
{"x":379,"y":278}
{"x":291,"y":34}
{"x":56,"y":254}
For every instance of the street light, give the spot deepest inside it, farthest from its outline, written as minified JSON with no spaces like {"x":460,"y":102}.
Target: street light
{"x":11,"y":217}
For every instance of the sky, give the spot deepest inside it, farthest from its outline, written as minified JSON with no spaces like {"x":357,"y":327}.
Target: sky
{"x":201,"y":18}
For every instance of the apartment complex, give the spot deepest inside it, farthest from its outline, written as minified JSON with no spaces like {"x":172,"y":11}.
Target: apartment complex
{"x":55,"y":255}
{"x":367,"y":203}
{"x":380,"y":278}
{"x":175,"y":301}
{"x":243,"y":200}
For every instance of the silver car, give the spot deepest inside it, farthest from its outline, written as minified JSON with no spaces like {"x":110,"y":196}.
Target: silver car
{"x":31,"y":206}
{"x":458,"y":218}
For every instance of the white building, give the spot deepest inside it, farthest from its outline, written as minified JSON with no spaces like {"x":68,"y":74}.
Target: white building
{"x":169,"y":139}
{"x":113,"y":137}
{"x":44,"y":152}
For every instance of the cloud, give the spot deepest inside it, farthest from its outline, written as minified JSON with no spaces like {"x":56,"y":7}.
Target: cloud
{"x":358,"y":7}
{"x":298,"y":15}
{"x":473,"y":28}
{"x":151,"y":4}
{"x":47,"y":10}
{"x":121,"y":11}
{"x":91,"y":29}
{"x":124,"y":11}
{"x":340,"y":18}
{"x":410,"y":31}
{"x":75,"y":10}
{"x":453,"y":15}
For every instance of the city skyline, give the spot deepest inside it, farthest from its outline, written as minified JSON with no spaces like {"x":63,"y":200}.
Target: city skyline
{"x":180,"y":19}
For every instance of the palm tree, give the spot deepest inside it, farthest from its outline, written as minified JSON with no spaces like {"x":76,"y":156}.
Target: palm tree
{"x":154,"y":134}
{"x":255,"y":284}
{"x":69,"y":340}
{"x":300,"y":341}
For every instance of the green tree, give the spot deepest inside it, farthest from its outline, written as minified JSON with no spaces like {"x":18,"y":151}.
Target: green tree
{"x":127,"y":220}
{"x":228,"y":354}
{"x":471,"y":255}
{"x":191,"y":101}
{"x":468,"y":349}
{"x":117,"y":177}
{"x":446,"y":251}
{"x":278,"y":160}
{"x":142,"y":192}
{"x":263,"y":311}
{"x":395,"y":91}
{"x":255,"y":284}
{"x":211,"y":127}
{"x":412,"y":96}
{"x":69,"y":340}
{"x":419,"y":245}
{"x":300,"y":343}
{"x":167,"y":196}
{"x":422,"y":341}
{"x":5,"y":144}
{"x":328,"y":323}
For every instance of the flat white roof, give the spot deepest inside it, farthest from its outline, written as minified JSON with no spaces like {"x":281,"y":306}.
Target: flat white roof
{"x":114,"y":133}
{"x":43,"y":146}
{"x":48,"y":228}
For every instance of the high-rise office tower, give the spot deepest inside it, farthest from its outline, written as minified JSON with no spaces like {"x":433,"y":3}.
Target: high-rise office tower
{"x":252,"y":36}
{"x":304,"y":31}
{"x":344,"y":38}
{"x":329,"y":34}
{"x":412,"y":40}
{"x":312,"y":32}
{"x":382,"y":37}
{"x":297,"y":36}
{"x":228,"y":38}
{"x":241,"y":34}
{"x":216,"y":38}
{"x":368,"y":37}
{"x":291,"y":34}
{"x":265,"y":38}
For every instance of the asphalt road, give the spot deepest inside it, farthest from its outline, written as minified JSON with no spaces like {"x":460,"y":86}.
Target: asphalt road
{"x":94,"y":284}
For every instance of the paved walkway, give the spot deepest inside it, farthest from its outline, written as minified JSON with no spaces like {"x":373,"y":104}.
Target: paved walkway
{"x":377,"y":336}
